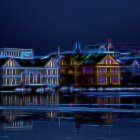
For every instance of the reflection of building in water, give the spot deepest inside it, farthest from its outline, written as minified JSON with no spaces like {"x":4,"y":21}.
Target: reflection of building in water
{"x":93,"y":119}
{"x":15,"y":120}
{"x":18,"y":125}
{"x":111,"y":101}
{"x":93,"y":98}
{"x":36,"y":99}
{"x":87,"y":119}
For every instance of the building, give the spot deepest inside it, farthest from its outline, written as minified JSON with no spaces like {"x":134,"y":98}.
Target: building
{"x":100,"y":70}
{"x":89,"y":70}
{"x":16,"y":53}
{"x":15,"y":71}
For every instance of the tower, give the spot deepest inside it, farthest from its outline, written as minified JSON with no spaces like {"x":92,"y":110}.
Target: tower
{"x":77,"y":48}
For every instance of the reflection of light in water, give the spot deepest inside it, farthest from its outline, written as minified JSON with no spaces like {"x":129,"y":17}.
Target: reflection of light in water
{"x":18,"y":125}
{"x":21,"y":100}
{"x":51,"y":114}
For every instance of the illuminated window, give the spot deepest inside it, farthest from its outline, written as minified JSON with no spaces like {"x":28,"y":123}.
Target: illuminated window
{"x":111,"y":61}
{"x":51,"y":64}
{"x":114,"y":70}
{"x":108,"y":61}
{"x":62,"y":63}
{"x":115,"y":79}
{"x":102,"y":70}
{"x":102,"y":79}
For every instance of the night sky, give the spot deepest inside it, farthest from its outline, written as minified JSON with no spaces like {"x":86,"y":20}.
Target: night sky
{"x":45,"y":24}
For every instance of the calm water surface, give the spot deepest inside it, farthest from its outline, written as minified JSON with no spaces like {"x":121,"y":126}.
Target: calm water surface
{"x":75,"y":116}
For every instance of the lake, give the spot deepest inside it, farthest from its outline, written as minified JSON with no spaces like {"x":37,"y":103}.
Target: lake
{"x":75,"y":116}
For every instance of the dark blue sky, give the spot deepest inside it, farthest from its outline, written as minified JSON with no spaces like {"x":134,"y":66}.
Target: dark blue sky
{"x":44,"y":24}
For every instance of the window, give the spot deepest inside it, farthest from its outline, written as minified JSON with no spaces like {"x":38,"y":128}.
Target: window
{"x":51,"y":64}
{"x":8,"y":71}
{"x":38,"y":78}
{"x":102,"y":79}
{"x":11,"y":63}
{"x":13,"y":81}
{"x":102,"y":70}
{"x":48,"y":72}
{"x":48,"y":80}
{"x":14,"y":72}
{"x":31,"y":78}
{"x":53,"y":72}
{"x":111,"y":61}
{"x":62,"y":63}
{"x":7,"y":81}
{"x":23,"y":78}
{"x":115,"y":79}
{"x":53,"y":81}
{"x":114,"y":70}
{"x":62,"y":71}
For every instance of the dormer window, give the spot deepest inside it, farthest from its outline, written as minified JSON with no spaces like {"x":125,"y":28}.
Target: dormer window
{"x":51,"y":64}
{"x":62,"y":63}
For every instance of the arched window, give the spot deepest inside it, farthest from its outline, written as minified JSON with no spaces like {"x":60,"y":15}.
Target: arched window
{"x":23,"y":78}
{"x":31,"y":78}
{"x":38,"y":78}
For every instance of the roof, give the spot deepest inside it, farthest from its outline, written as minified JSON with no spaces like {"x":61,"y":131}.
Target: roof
{"x":32,"y":62}
{"x":81,"y":58}
{"x":56,"y":58}
{"x":93,"y":58}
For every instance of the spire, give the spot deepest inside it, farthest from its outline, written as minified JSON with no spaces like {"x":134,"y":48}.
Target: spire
{"x":77,"y":48}
{"x":58,"y":50}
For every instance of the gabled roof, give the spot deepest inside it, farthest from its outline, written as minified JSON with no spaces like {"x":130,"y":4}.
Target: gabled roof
{"x":55,"y":59}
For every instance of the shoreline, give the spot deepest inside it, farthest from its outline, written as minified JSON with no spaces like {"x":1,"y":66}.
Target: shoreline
{"x":68,"y":89}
